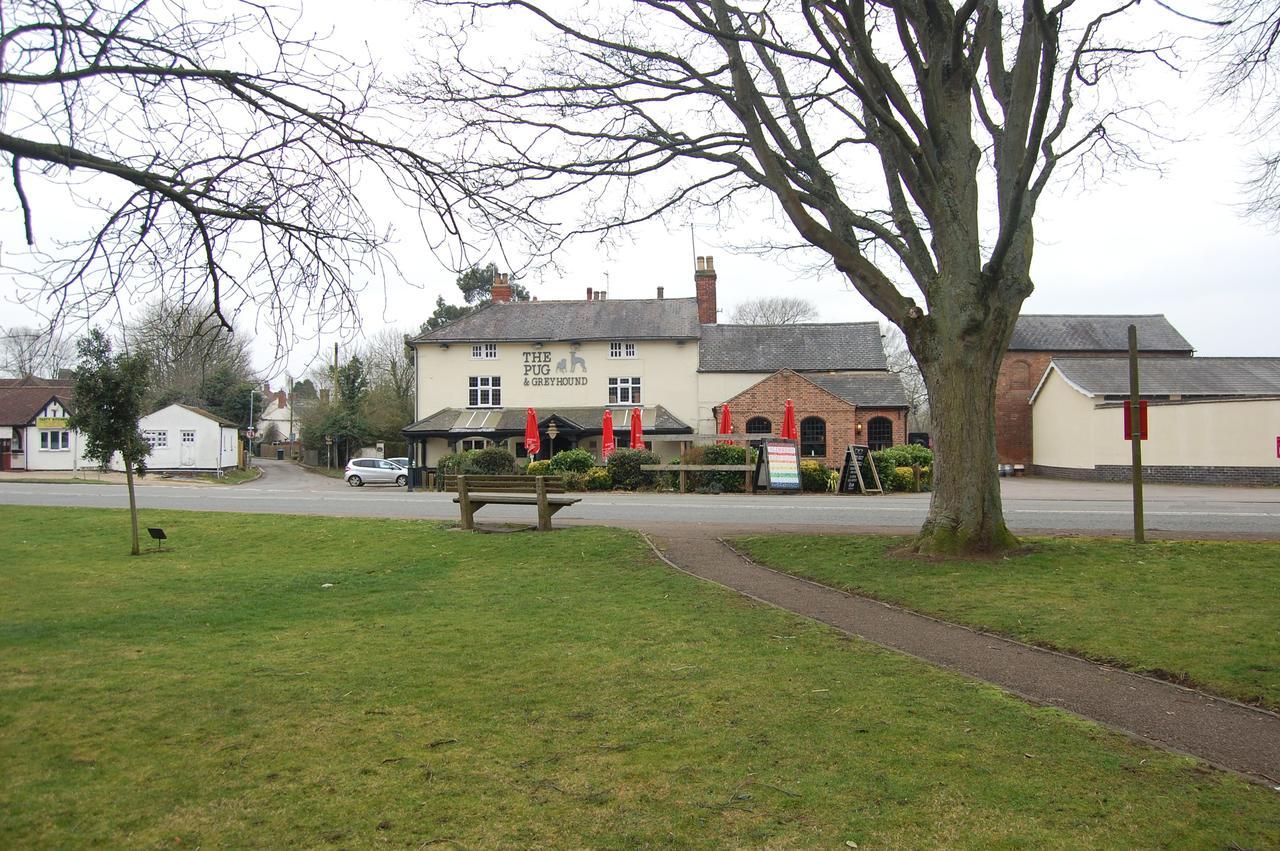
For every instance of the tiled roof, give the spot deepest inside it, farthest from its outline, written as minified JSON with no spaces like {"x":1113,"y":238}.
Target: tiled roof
{"x":19,"y":405}
{"x":208,"y":414}
{"x":461,"y":421}
{"x":865,"y":389}
{"x":1175,"y":376}
{"x":804,"y":347}
{"x":36,"y":381}
{"x":555,"y":321}
{"x":1101,"y":333}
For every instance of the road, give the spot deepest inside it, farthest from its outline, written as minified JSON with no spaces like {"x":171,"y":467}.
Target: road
{"x":1031,"y":505}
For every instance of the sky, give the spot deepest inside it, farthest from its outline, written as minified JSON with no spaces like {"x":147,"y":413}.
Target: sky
{"x":1170,"y":241}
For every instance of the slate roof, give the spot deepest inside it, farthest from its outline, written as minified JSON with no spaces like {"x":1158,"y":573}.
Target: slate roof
{"x":557,"y":321}
{"x":1221,"y":377}
{"x":19,"y":405}
{"x":867,"y":390}
{"x":803,"y":347}
{"x":1096,"y":333}
{"x":464,"y":421}
{"x":202,"y":412}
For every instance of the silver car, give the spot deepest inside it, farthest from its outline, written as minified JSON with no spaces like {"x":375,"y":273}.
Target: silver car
{"x":374,"y":471}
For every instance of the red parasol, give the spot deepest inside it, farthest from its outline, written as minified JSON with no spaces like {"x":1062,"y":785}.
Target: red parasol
{"x":789,"y":423}
{"x":607,"y":444}
{"x":637,"y":430}
{"x":726,"y":422}
{"x":532,"y":440}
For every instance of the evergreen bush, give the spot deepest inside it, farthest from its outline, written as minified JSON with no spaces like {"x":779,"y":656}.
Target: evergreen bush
{"x":572,"y":461}
{"x":492,"y":461}
{"x":624,"y":467}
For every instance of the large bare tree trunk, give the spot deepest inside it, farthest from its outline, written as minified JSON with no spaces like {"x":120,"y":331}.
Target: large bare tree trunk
{"x":965,"y":513}
{"x":133,"y":506}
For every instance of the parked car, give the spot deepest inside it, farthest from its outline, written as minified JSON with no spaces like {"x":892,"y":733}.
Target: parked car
{"x":403,"y":462}
{"x":374,"y":471}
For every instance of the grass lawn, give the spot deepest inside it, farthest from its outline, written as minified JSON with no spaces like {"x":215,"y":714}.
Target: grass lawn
{"x":1206,"y":613}
{"x":234,"y":477}
{"x":519,"y":690}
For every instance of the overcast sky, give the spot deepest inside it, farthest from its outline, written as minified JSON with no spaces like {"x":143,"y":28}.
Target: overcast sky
{"x":1170,"y":242}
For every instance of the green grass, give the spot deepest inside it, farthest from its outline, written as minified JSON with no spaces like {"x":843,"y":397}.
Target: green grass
{"x":233,"y":477}
{"x":521,"y":690}
{"x":1199,"y":612}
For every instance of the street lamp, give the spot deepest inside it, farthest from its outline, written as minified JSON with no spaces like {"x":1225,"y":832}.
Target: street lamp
{"x":552,"y":431}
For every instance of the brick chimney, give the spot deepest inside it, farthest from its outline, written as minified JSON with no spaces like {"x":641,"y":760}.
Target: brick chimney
{"x":704,"y":284}
{"x":588,"y":293}
{"x":659,"y":293}
{"x":282,"y":399}
{"x":501,"y":288}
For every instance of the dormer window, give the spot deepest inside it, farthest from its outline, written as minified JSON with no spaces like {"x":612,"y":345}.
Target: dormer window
{"x":484,"y":351}
{"x":622,"y":350}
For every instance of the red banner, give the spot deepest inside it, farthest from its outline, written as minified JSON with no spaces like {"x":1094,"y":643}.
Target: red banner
{"x":1128,"y":419}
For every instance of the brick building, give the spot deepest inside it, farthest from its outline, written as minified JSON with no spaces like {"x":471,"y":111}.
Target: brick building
{"x":668,"y":357}
{"x":1038,"y":339}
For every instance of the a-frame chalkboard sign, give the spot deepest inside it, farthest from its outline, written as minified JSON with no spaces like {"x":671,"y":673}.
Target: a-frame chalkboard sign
{"x":778,"y":466}
{"x":851,"y":478}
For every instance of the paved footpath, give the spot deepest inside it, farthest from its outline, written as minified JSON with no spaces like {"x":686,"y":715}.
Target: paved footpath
{"x":1222,"y":732}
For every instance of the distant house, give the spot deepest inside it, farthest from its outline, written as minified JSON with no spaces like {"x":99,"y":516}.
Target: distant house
{"x":184,"y":438}
{"x":33,"y":426}
{"x":1211,"y":420}
{"x":278,"y":412}
{"x":1040,"y":338}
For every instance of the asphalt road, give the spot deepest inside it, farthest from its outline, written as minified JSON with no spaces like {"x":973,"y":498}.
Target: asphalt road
{"x":1031,"y":505}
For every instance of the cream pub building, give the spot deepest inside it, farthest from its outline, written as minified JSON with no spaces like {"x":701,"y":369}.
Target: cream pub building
{"x":572,"y":360}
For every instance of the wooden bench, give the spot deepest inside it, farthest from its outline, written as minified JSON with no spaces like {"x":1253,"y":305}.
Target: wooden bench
{"x":682,"y":469}
{"x":475,"y":492}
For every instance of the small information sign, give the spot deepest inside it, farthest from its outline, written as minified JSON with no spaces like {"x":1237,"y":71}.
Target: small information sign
{"x":778,"y":466}
{"x":1128,"y":419}
{"x":851,"y":478}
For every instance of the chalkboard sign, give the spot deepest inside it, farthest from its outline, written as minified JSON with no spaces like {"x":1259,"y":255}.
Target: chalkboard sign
{"x":778,"y":466}
{"x":851,"y":478}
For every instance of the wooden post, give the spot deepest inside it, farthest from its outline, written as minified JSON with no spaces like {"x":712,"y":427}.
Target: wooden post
{"x":1135,"y":435}
{"x":464,"y":502}
{"x":682,"y":480}
{"x":544,"y":510}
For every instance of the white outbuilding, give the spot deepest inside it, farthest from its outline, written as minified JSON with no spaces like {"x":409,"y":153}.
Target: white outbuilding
{"x":184,"y":438}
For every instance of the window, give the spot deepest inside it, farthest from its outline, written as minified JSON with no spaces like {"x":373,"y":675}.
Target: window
{"x":58,"y":440}
{"x":624,"y":391}
{"x":156,"y":439}
{"x":188,"y":436}
{"x":880,"y":433}
{"x":472,"y":443}
{"x":759,"y":425}
{"x":622,"y":350}
{"x":486,"y":351}
{"x":813,"y":437}
{"x":485,"y":391}
{"x":1019,"y":375}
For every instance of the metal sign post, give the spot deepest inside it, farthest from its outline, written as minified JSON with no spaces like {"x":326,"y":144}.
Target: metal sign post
{"x":1135,"y":419}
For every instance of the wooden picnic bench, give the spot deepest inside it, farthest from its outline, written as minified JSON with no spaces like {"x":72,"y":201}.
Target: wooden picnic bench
{"x":475,"y":492}
{"x":682,"y":469}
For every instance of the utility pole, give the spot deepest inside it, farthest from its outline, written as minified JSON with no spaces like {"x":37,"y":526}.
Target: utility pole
{"x":249,"y":463}
{"x":1135,"y":437}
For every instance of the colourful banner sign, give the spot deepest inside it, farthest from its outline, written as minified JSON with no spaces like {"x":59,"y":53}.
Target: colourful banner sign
{"x":51,"y":422}
{"x":784,"y":466}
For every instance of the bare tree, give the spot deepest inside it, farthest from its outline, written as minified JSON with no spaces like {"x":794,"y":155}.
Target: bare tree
{"x":31,"y":351}
{"x":220,"y":157}
{"x":1247,"y":50}
{"x":908,"y":142}
{"x":387,"y":362}
{"x":184,"y":346}
{"x":775,"y":310}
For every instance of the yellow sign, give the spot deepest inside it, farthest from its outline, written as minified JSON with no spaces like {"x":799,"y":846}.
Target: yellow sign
{"x":51,"y":422}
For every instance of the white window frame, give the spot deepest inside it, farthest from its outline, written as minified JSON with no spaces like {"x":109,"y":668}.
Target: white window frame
{"x":188,"y":436}
{"x":156,"y":438}
{"x":625,"y":390}
{"x":484,"y":351}
{"x":469,"y":443}
{"x":484,"y":391}
{"x":620,"y":350}
{"x":51,"y":436}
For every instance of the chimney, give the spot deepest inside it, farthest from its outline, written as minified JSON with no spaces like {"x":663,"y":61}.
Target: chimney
{"x":282,"y":399}
{"x":659,"y":293}
{"x":588,"y":293}
{"x":704,"y":284}
{"x":600,"y":294}
{"x":501,"y":288}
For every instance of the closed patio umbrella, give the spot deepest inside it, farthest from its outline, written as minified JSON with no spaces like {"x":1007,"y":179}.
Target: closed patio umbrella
{"x":607,"y":443}
{"x":532,"y":440}
{"x":637,"y":430}
{"x":789,"y":431}
{"x":726,"y":422}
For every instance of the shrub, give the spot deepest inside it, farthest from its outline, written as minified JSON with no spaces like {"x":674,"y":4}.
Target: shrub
{"x":905,"y":456}
{"x":904,"y":479}
{"x":727,"y":482}
{"x":572,"y":461}
{"x":598,"y":479}
{"x":814,"y":477}
{"x":574,"y":481}
{"x":624,"y":467}
{"x":492,"y":461}
{"x":890,"y":464}
{"x":538,"y":468}
{"x":451,"y":464}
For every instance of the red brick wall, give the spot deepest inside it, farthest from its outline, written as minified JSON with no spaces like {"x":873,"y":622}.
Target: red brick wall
{"x":768,"y":399}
